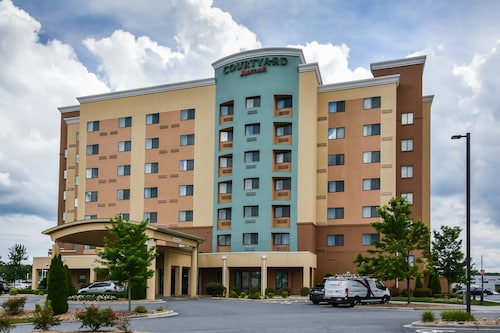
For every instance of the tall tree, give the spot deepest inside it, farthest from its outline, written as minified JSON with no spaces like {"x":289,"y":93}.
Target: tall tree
{"x":447,"y":257}
{"x":14,"y":269}
{"x":403,"y":241}
{"x":57,"y":287}
{"x":126,"y":254}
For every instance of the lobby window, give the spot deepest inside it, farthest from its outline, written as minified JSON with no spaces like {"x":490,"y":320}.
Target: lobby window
{"x":370,"y":184}
{"x":407,"y":118}
{"x":123,"y":170}
{"x":92,"y":149}
{"x":250,"y":211}
{"x":408,"y":197}
{"x":336,"y":186}
{"x":407,"y":171}
{"x":371,"y":129}
{"x":281,"y":239}
{"x":91,"y":173}
{"x":224,"y":214}
{"x":251,"y":183}
{"x":338,"y":106}
{"x":90,"y":217}
{"x":123,"y":194}
{"x":225,"y":187}
{"x":369,"y":239}
{"x":283,"y":102}
{"x":407,"y":145}
{"x":91,"y":196}
{"x":226,"y":135}
{"x":224,"y":240}
{"x":150,"y":192}
{"x":125,"y":122}
{"x":252,"y":156}
{"x":371,"y":157}
{"x":336,"y":133}
{"x":227,"y":109}
{"x":93,"y":126}
{"x":125,"y":216}
{"x":152,"y":118}
{"x":252,"y":129}
{"x":335,"y":240}
{"x":335,"y":159}
{"x":187,"y":139}
{"x":371,"y":103}
{"x":283,"y":129}
{"x":252,"y":102}
{"x":124,"y":146}
{"x":186,"y":165}
{"x":226,"y":161}
{"x":152,"y":216}
{"x":281,"y":211}
{"x":370,"y":211}
{"x":187,"y":114}
{"x":152,"y":143}
{"x":336,"y":213}
{"x":250,"y":238}
{"x":185,"y":190}
{"x":283,"y":184}
{"x":283,"y":157}
{"x":151,"y":167}
{"x":185,"y":216}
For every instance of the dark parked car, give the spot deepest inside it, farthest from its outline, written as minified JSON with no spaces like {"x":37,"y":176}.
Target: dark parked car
{"x":3,"y":287}
{"x":477,"y":291}
{"x":317,"y":293}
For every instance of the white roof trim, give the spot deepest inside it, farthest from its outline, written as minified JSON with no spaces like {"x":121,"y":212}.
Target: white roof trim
{"x":428,"y":98}
{"x":311,"y":67}
{"x":70,"y":108}
{"x":388,"y":79}
{"x":72,"y":120}
{"x":147,"y":90}
{"x":398,"y":63}
{"x":265,"y":52}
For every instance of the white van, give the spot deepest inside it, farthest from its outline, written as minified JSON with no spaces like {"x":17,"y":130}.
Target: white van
{"x":355,"y":290}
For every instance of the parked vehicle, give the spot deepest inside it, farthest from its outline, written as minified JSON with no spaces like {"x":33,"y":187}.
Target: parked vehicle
{"x":478,"y":290}
{"x":102,"y":287}
{"x":22,"y":284}
{"x":355,"y":290}
{"x":317,"y":293}
{"x":4,"y":288}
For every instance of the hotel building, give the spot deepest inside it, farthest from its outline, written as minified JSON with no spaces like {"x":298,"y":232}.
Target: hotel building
{"x":260,"y":177}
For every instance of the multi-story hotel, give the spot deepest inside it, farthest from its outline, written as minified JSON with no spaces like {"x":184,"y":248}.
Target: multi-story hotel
{"x":261,"y":177}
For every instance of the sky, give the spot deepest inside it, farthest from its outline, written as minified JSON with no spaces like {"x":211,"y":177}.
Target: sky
{"x":53,"y":51}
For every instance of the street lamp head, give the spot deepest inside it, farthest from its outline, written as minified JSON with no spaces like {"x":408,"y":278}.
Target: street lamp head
{"x":456,"y":137}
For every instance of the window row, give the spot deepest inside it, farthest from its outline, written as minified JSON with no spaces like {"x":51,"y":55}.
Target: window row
{"x":369,"y":184}
{"x":150,"y":143}
{"x":253,"y":183}
{"x":368,"y":103}
{"x":149,"y":168}
{"x":366,"y":239}
{"x":252,"y":238}
{"x":149,"y":192}
{"x":152,"y":217}
{"x":279,"y":211}
{"x":337,"y":133}
{"x":280,"y":102}
{"x":337,"y":213}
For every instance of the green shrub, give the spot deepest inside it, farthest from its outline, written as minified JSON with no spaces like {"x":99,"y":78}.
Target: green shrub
{"x":428,"y":316}
{"x":270,"y":295}
{"x":456,"y":315}
{"x":14,"y":306}
{"x":159,"y":309}
{"x":304,"y":291}
{"x":404,"y":292}
{"x":233,"y":294}
{"x":254,"y":295}
{"x":57,"y":287}
{"x":441,"y":295}
{"x":435,"y":284}
{"x":44,"y":317}
{"x":94,"y":318}
{"x":139,"y":289}
{"x":284,"y":293}
{"x":5,"y":325}
{"x":215,"y":289}
{"x":422,"y":292}
{"x":243,"y":295}
{"x":395,"y":292}
{"x":270,"y":290}
{"x":418,"y":282}
{"x":140,"y":309}
{"x":13,"y":291}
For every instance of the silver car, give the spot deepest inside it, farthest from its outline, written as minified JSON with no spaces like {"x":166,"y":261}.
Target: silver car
{"x":102,"y":287}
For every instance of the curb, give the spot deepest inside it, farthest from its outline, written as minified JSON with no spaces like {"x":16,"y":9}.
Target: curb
{"x":454,"y":325}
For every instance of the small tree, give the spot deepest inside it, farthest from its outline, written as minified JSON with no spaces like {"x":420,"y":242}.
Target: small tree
{"x":14,"y":269}
{"x":126,"y":254}
{"x":435,"y":284}
{"x":57,"y":288}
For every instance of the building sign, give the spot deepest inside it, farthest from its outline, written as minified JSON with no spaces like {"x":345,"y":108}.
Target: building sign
{"x":257,"y":65}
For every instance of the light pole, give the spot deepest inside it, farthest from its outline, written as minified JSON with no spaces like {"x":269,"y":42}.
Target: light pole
{"x":467,"y":220}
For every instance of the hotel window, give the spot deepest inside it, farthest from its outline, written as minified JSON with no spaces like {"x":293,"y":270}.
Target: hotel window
{"x":283,"y":157}
{"x":187,"y":114}
{"x":185,"y":216}
{"x":76,"y":180}
{"x":124,"y":146}
{"x":125,"y":122}
{"x":281,"y":239}
{"x":152,"y":143}
{"x":150,"y":192}
{"x":90,"y":217}
{"x":338,"y":106}
{"x":125,"y":216}
{"x":251,"y":183}
{"x":407,"y":118}
{"x":283,"y":102}
{"x":252,"y":156}
{"x":123,"y":194}
{"x":185,"y":190}
{"x":335,"y":240}
{"x":186,"y":165}
{"x":123,"y":170}
{"x":77,"y":136}
{"x":152,"y":216}
{"x":92,"y":149}
{"x":151,"y":167}
{"x":283,"y":184}
{"x":369,"y":239}
{"x":408,"y":197}
{"x":93,"y":126}
{"x":407,"y":145}
{"x":226,"y":135}
{"x":371,"y":103}
{"x":335,"y":159}
{"x":407,"y":171}
{"x":335,"y":213}
{"x":336,"y":186}
{"x":225,"y":187}
{"x":152,"y":118}
{"x":250,"y":211}
{"x":91,"y":173}
{"x":224,"y":214}
{"x":336,"y":133}
{"x":187,"y":139}
{"x":250,"y":238}
{"x":91,"y":196}
{"x":224,"y":240}
{"x":77,"y":158}
{"x":252,"y":129}
{"x":89,"y":247}
{"x":227,"y":109}
{"x":252,"y":102}
{"x":281,"y":211}
{"x":371,"y":157}
{"x":226,"y":161}
{"x":283,"y":129}
{"x":370,"y":184}
{"x":371,"y":129}
{"x":370,"y":211}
